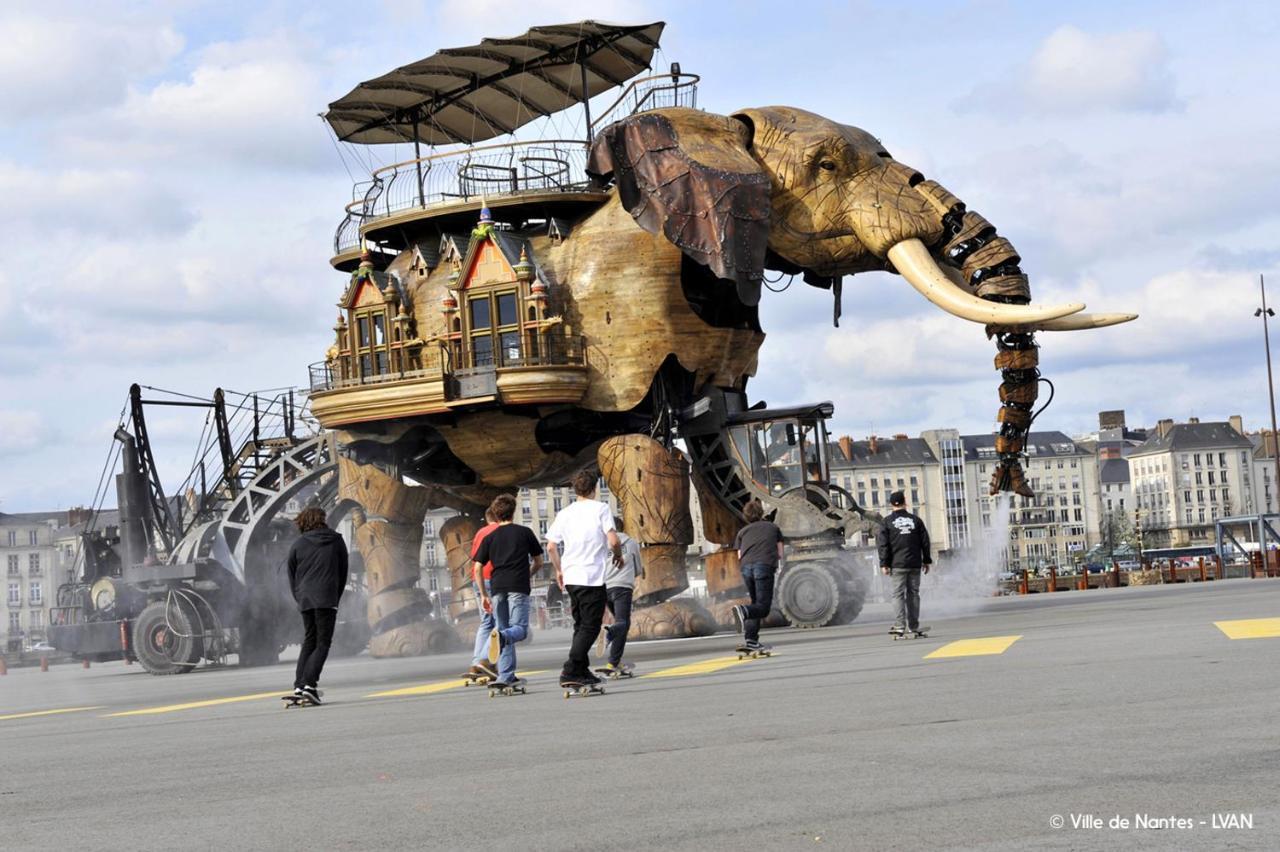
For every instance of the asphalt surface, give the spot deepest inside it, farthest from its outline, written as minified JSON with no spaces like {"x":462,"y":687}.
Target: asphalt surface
{"x":1111,"y":704}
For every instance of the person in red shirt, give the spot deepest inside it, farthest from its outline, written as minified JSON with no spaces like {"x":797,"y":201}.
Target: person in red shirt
{"x":480,"y":665}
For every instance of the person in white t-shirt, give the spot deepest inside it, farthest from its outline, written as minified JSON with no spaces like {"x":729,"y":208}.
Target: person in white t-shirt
{"x":579,"y":542}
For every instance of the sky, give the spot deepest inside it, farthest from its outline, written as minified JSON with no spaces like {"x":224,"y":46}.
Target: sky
{"x":169,"y":197}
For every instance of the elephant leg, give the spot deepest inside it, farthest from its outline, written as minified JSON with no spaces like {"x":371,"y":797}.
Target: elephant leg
{"x":720,"y":525}
{"x":457,"y":534}
{"x":390,"y":540}
{"x":652,"y":487}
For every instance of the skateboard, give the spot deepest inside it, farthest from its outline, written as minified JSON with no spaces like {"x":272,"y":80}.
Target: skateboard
{"x":625,"y":670}
{"x":754,"y":653}
{"x":476,"y":679}
{"x":922,"y":633}
{"x":495,"y":646}
{"x":517,"y":685}
{"x":292,"y":700}
{"x":582,"y":689}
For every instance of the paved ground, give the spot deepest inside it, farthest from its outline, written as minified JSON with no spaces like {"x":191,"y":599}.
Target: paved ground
{"x":1119,"y":703}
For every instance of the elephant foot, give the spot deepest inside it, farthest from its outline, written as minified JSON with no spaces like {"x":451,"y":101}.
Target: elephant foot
{"x":415,"y":640}
{"x":672,"y":619}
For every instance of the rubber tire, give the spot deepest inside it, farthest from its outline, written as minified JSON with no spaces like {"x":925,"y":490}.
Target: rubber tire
{"x":809,"y":594}
{"x":853,"y":594}
{"x":183,"y":653}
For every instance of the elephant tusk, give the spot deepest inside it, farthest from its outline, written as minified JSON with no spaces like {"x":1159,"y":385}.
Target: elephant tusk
{"x":1076,"y":322}
{"x":914,"y":263}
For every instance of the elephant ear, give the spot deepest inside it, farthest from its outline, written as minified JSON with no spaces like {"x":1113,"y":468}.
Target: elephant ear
{"x":689,"y":174}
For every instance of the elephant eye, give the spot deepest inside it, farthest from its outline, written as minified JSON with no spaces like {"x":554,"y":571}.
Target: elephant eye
{"x":827,"y":165}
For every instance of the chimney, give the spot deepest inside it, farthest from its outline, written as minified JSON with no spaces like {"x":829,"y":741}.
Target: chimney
{"x":1237,"y":423}
{"x":846,"y":447}
{"x":1164,"y":427}
{"x":899,"y":437}
{"x":77,"y":514}
{"x":1194,"y":421}
{"x":1111,"y":419}
{"x":874,"y":444}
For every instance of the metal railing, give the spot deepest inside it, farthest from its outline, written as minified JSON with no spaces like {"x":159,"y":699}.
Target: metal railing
{"x":674,"y":89}
{"x":551,"y":350}
{"x":506,"y":169}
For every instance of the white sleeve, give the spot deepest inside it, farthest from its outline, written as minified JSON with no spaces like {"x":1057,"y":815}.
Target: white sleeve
{"x":606,"y":519}
{"x":554,"y":533}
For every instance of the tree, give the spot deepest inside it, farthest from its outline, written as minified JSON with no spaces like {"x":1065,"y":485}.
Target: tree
{"x":1118,"y":535}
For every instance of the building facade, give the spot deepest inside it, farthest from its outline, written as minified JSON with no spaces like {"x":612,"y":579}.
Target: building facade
{"x":1188,"y":475}
{"x":36,"y":558}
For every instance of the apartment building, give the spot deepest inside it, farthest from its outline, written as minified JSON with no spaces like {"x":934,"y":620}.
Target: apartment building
{"x":873,"y":469}
{"x":1187,"y":475}
{"x":35,"y":560}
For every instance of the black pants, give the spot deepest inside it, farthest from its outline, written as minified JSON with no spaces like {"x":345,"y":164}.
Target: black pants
{"x":317,"y":626}
{"x":619,"y":604}
{"x":758,"y":578}
{"x":587,"y":604}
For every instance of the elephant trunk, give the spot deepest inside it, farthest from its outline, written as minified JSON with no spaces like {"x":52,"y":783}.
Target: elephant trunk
{"x":988,"y":266}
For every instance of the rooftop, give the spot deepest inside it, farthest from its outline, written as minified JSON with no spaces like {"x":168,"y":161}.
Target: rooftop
{"x":889,"y":452}
{"x":1050,"y":444}
{"x":1193,"y":436}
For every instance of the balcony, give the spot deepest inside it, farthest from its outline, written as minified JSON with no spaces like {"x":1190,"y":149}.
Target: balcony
{"x":554,"y":371}
{"x":459,"y":181}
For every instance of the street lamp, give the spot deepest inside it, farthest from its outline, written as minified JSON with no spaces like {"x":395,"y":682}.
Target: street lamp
{"x":1266,"y":312}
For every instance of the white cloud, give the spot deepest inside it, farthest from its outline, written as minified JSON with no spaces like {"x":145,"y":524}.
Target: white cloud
{"x":23,"y":431}
{"x":1073,"y":73}
{"x":74,"y":64}
{"x":114,"y":202}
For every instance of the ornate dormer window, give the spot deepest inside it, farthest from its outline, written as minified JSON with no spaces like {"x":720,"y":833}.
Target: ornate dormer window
{"x":500,"y":304}
{"x":374,"y":334}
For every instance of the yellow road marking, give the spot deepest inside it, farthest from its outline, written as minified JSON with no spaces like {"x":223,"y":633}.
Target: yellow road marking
{"x":48,"y":712}
{"x":213,"y":702}
{"x":1250,"y":628}
{"x":974,"y":647}
{"x":438,"y":686}
{"x":703,"y":667}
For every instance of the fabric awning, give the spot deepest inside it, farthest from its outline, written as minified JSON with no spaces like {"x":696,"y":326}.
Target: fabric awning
{"x":465,"y":95}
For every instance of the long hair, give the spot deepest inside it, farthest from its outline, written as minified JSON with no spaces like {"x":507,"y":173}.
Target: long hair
{"x":311,"y":518}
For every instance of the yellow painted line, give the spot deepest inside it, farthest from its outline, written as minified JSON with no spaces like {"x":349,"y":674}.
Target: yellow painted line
{"x":974,"y":647}
{"x":48,"y":712}
{"x":437,"y":686}
{"x":213,"y":702}
{"x":704,"y":667}
{"x":1250,"y":628}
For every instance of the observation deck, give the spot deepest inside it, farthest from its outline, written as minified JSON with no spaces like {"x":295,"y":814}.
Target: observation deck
{"x":448,"y":188}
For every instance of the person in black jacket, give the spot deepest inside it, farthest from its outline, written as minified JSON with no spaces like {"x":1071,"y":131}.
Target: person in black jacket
{"x":903,"y":543}
{"x":317,"y":578}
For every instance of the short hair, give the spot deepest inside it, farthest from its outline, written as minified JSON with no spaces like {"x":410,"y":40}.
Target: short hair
{"x":310,"y":518}
{"x":617,"y":524}
{"x":584,"y":483}
{"x":753,"y":511}
{"x":489,"y":516}
{"x":503,"y":507}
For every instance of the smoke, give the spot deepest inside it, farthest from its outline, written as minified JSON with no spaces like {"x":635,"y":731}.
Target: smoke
{"x":962,"y":582}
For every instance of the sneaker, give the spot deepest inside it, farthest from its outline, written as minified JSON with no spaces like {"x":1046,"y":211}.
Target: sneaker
{"x":897,"y":630}
{"x":752,"y":646}
{"x":740,"y":615}
{"x":485,"y":668}
{"x":608,"y":668}
{"x":311,"y":694}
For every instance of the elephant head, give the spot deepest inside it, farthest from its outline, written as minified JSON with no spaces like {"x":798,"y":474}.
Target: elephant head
{"x":782,"y":188}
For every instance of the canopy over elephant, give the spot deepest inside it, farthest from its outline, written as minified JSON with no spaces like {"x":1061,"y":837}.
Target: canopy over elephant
{"x":578,"y":330}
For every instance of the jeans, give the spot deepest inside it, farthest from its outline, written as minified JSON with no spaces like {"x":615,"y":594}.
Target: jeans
{"x":619,"y":603}
{"x":317,"y":634}
{"x":481,"y":653}
{"x":906,"y":596}
{"x":587,"y":604}
{"x":511,"y":616}
{"x":758,"y":578}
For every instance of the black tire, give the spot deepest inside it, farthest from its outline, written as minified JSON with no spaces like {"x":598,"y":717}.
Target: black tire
{"x":809,"y":594}
{"x":165,"y":642}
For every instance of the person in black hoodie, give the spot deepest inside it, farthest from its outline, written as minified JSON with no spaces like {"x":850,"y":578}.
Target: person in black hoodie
{"x":903,"y":543}
{"x":317,"y":578}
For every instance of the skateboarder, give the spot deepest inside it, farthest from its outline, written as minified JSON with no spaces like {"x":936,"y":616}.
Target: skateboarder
{"x":620,"y":583}
{"x":903,"y":543}
{"x":579,"y":543}
{"x":317,"y":578}
{"x":480,"y":665}
{"x":516,"y":555}
{"x":760,"y":552}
